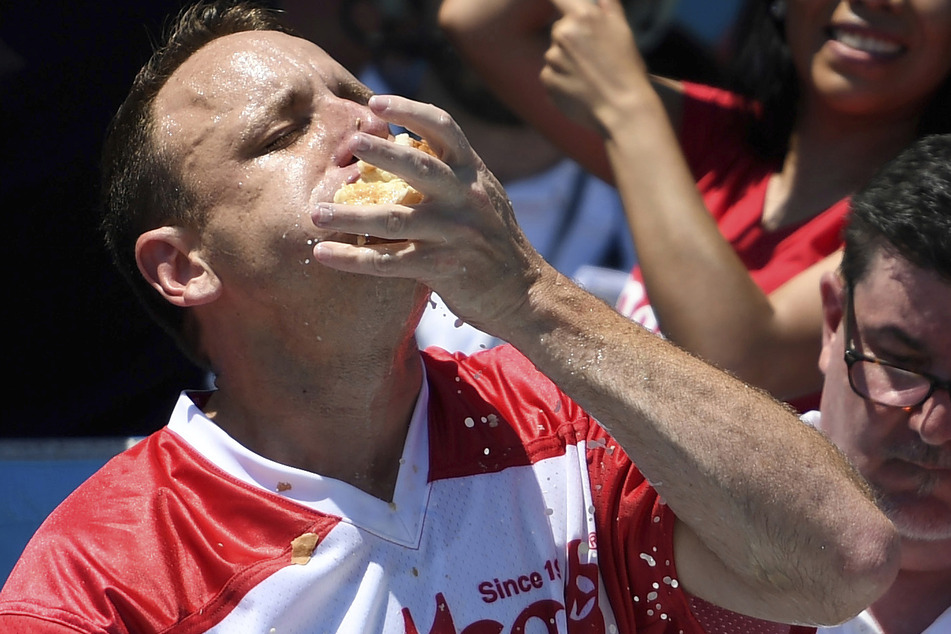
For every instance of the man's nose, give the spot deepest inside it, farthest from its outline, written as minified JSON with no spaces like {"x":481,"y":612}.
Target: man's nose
{"x":368,"y":122}
{"x":932,"y":419}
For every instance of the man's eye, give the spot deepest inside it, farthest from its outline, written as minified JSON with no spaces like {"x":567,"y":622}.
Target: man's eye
{"x":913,"y":363}
{"x":282,"y":140}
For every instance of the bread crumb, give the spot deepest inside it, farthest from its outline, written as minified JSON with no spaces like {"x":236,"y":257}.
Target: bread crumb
{"x":302,"y":548}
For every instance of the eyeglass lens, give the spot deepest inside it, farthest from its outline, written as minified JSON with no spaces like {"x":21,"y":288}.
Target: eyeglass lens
{"x":888,"y":385}
{"x":880,"y":381}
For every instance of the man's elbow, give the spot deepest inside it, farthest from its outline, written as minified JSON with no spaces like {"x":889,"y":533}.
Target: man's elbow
{"x":869,"y":562}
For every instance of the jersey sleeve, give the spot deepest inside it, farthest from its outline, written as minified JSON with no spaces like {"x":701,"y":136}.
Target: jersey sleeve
{"x":635,"y":542}
{"x":43,"y":621}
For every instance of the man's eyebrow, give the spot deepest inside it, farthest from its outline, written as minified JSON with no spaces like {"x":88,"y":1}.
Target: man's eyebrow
{"x":355,"y":91}
{"x":261,"y":114}
{"x":895,"y":333}
{"x":281,"y":100}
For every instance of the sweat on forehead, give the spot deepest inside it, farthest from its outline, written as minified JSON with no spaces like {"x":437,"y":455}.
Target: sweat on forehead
{"x":252,"y":61}
{"x":244,"y":74}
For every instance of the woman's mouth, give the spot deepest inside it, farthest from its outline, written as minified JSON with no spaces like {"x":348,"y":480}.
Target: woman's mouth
{"x":865,"y":42}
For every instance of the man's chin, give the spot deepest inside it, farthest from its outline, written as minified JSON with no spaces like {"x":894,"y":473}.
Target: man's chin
{"x":920,"y":519}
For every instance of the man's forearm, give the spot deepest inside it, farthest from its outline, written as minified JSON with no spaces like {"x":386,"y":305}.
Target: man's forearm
{"x":766,"y":494}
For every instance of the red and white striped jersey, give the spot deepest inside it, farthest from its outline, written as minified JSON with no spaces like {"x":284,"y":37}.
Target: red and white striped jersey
{"x":513,"y":512}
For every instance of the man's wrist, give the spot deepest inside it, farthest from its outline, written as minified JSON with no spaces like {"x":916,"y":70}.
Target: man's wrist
{"x":552,"y":305}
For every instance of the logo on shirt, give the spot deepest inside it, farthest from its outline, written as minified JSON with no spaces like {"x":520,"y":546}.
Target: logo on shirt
{"x":580,"y":606}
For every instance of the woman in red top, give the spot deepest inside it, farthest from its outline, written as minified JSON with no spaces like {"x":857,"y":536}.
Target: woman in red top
{"x":833,"y":89}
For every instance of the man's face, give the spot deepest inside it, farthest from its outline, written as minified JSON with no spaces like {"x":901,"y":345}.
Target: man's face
{"x":902,"y":315}
{"x":258,"y":124}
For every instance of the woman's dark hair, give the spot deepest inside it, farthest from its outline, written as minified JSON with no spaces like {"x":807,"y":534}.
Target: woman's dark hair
{"x":762,"y":69}
{"x":142,"y":187}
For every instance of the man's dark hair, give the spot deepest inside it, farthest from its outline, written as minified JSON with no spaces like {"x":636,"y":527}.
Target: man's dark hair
{"x":904,"y":209}
{"x":142,"y":187}
{"x":762,"y":69}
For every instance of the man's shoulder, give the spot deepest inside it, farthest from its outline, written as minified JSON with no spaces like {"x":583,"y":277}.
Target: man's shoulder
{"x":100,"y":529}
{"x":157,"y":528}
{"x":113,"y":507}
{"x":160,"y":484}
{"x":130,"y":475}
{"x":499,"y":363}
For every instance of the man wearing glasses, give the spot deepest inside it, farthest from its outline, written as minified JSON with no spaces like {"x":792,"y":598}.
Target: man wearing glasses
{"x":886,"y":356}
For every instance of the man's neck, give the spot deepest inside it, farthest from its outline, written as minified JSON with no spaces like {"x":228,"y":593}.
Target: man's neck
{"x":345,"y":417}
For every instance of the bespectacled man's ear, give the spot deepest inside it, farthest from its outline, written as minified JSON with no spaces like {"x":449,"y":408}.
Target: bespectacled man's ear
{"x":170,"y":260}
{"x":832,"y":290}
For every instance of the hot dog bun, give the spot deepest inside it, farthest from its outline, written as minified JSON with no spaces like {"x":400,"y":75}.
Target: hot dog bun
{"x":379,"y":187}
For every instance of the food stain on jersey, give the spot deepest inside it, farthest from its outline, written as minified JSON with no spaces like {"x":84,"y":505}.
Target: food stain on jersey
{"x":302,"y":548}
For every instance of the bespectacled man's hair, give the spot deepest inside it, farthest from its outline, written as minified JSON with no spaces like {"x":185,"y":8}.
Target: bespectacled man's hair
{"x":905,"y":209}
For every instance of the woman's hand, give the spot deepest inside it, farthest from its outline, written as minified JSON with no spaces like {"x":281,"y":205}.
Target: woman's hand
{"x":593,"y":69}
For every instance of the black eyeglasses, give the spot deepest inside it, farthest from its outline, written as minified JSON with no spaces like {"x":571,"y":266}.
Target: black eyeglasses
{"x":883,"y":382}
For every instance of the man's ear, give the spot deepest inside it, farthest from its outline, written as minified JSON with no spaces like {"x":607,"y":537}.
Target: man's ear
{"x":832,"y":289}
{"x":169,"y":258}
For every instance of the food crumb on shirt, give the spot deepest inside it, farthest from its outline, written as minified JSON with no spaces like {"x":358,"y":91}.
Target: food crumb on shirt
{"x":302,"y":548}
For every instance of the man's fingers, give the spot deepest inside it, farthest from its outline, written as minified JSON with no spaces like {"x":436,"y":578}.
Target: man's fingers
{"x":427,"y":173}
{"x":407,"y":259}
{"x":429,"y":122}
{"x":391,"y":222}
{"x":381,"y":260}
